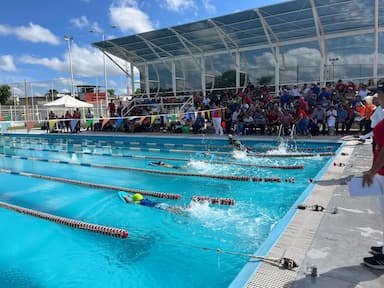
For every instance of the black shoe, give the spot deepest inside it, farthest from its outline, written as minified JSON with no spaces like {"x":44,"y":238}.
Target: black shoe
{"x":375,"y":262}
{"x":375,"y":250}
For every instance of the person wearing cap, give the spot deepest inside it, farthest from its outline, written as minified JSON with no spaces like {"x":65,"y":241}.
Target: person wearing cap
{"x":137,"y":198}
{"x":376,"y":173}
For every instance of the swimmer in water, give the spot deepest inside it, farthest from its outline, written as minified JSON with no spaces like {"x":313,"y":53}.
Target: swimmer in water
{"x":163,"y":164}
{"x":137,"y":198}
{"x":237,"y":145}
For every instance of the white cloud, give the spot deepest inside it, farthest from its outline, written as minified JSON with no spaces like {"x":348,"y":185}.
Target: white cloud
{"x":32,"y":33}
{"x":80,"y":22}
{"x":86,"y":62}
{"x":6,"y":63}
{"x":209,"y":7}
{"x":178,"y":5}
{"x":128,"y":17}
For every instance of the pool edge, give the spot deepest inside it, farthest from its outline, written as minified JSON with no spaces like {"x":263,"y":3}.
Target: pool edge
{"x":251,"y":267}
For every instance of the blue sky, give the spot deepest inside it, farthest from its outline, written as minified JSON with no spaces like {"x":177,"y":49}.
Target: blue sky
{"x":32,"y":31}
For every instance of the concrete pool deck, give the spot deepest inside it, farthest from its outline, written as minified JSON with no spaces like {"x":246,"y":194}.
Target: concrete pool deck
{"x":334,"y":243}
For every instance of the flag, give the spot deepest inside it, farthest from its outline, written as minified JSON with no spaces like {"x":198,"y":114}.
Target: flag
{"x":118,"y":122}
{"x":89,"y":122}
{"x":51,"y":124}
{"x":74,"y":123}
{"x":105,"y":121}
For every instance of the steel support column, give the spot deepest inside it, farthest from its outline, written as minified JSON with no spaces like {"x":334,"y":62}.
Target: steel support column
{"x":132,"y":78}
{"x":237,"y":70}
{"x":321,"y":40}
{"x":277,"y":73}
{"x":174,"y":88}
{"x":147,"y":80}
{"x":274,"y":47}
{"x":203,"y":82}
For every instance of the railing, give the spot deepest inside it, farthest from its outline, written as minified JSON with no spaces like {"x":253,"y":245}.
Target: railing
{"x":165,"y":104}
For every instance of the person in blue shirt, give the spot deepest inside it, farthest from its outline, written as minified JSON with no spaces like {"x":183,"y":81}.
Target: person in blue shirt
{"x":315,"y":89}
{"x":285,"y":99}
{"x":137,"y":198}
{"x":323,"y":93}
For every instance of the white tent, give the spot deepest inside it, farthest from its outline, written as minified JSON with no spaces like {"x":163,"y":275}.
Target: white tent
{"x":68,"y":102}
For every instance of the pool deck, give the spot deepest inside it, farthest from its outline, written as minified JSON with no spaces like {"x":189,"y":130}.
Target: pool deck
{"x":334,"y":243}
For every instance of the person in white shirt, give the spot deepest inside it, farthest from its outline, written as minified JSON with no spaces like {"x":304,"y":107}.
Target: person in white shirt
{"x":295,"y":92}
{"x":331,"y":119}
{"x":363,"y":92}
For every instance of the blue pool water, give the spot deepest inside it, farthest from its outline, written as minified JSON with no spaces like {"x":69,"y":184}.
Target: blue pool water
{"x":163,"y":249}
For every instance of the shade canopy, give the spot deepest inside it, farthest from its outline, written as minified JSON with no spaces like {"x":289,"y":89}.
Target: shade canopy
{"x":68,"y":102}
{"x":295,"y":21}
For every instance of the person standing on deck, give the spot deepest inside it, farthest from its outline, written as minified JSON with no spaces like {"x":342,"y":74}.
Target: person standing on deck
{"x":216,"y":119}
{"x":376,"y":173}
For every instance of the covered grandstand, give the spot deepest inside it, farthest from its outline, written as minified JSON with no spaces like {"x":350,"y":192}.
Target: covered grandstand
{"x":294,"y":42}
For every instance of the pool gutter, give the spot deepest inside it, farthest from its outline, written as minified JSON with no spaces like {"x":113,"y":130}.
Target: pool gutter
{"x":252,"y":267}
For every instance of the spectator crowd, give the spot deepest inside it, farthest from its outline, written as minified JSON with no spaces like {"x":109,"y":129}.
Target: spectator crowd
{"x":310,"y":110}
{"x":307,"y":110}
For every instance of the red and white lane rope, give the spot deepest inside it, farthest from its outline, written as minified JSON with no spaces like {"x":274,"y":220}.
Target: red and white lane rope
{"x":105,"y":230}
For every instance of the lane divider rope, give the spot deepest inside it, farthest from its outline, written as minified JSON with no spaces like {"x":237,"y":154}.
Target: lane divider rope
{"x":213,"y":176}
{"x":287,"y":167}
{"x":291,"y":155}
{"x":94,"y":185}
{"x":152,"y":144}
{"x":105,"y":230}
{"x":214,"y":200}
{"x":225,"y":153}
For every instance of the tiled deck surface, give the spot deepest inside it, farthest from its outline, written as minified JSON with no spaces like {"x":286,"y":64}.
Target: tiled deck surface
{"x":334,"y":243}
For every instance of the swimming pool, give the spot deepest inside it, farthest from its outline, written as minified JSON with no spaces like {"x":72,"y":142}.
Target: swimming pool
{"x":163,"y":249}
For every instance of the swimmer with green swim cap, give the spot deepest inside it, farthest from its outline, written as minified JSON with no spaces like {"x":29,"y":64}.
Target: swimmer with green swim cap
{"x":137,"y":198}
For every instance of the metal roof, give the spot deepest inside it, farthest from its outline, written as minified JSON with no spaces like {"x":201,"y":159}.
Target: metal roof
{"x":297,"y":20}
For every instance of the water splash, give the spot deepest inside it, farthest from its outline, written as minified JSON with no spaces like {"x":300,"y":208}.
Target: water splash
{"x":282,"y":148}
{"x":240,"y":155}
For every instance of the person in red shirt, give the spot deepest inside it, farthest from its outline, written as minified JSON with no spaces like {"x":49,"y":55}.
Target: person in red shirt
{"x":111,"y":108}
{"x":376,"y":173}
{"x":302,"y":122}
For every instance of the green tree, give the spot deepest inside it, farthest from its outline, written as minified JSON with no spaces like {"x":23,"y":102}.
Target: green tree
{"x":111,"y":92}
{"x":51,"y":92}
{"x":228,"y":79}
{"x":265,"y":80}
{"x":5,"y":94}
